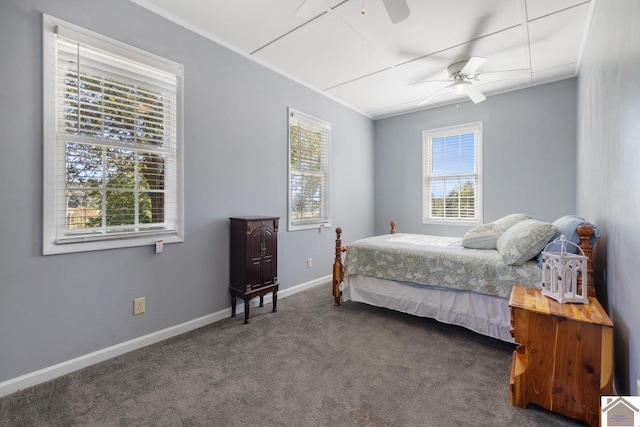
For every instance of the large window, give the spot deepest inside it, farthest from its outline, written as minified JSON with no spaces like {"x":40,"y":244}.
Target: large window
{"x":309,"y":140}
{"x":452,"y":183}
{"x":112,"y":143}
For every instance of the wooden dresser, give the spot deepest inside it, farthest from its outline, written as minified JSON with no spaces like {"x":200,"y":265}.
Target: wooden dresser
{"x":564,"y":360}
{"x":253,"y":260}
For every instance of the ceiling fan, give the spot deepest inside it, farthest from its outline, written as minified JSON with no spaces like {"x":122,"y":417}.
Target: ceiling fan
{"x":398,"y":10}
{"x":462,"y":78}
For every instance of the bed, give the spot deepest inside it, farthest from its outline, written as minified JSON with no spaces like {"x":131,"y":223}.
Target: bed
{"x":436,"y":277}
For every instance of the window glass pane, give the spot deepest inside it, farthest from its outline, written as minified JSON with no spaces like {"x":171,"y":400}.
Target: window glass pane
{"x":437,"y":207}
{"x":305,"y":196}
{"x":99,"y":103}
{"x":83,"y":165}
{"x":152,"y":167}
{"x":120,"y":169}
{"x":121,"y":208}
{"x":83,"y":209}
{"x":306,"y":149}
{"x":438,"y":187}
{"x":438,"y":158}
{"x":154,"y":212}
{"x":467,"y":153}
{"x":452,"y":154}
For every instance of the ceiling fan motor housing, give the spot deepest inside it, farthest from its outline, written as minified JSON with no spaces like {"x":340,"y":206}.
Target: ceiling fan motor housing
{"x":456,"y":67}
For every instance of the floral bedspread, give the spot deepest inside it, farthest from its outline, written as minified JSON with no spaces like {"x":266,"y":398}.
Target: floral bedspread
{"x":438,"y":261}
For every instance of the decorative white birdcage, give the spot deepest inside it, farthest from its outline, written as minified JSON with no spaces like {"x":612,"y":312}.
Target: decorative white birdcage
{"x":560,"y":272}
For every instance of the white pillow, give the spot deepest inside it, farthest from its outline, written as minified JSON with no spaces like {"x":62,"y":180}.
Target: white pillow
{"x":506,"y":222}
{"x":525,"y":240}
{"x":485,"y":236}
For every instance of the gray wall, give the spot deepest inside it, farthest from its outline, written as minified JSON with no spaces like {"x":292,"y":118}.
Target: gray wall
{"x":609,"y":171}
{"x":529,"y":157}
{"x":56,"y":308}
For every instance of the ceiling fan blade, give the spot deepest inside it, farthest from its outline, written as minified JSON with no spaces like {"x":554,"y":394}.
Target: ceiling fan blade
{"x":505,"y":74}
{"x":475,"y":94}
{"x":428,"y":98}
{"x":428,"y":81}
{"x":479,"y":30}
{"x":472,"y":65}
{"x":398,"y":10}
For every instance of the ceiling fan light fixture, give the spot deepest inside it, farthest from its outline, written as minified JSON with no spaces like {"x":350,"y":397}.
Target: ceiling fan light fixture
{"x":460,"y":86}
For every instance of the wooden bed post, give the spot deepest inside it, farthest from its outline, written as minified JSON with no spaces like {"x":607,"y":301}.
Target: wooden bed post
{"x":338,"y":268}
{"x":585,"y":232}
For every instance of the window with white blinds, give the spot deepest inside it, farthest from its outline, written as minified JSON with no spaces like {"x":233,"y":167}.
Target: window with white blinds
{"x":309,"y":142}
{"x":452,"y":183}
{"x":112,"y":144}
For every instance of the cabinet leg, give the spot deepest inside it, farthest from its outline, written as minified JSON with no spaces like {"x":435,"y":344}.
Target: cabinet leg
{"x":233,"y":306}
{"x":275,"y":301}
{"x":246,"y":311}
{"x":261,"y":300}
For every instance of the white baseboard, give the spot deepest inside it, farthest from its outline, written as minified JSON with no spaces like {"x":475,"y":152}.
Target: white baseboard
{"x":60,"y":369}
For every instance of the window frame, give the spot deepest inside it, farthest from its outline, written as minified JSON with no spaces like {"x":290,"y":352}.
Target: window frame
{"x":53,"y":162}
{"x":427,"y":140}
{"x":325,"y":220}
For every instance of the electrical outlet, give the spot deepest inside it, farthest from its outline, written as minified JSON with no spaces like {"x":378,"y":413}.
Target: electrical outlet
{"x":309,"y":262}
{"x":159,"y":246}
{"x":138,"y":305}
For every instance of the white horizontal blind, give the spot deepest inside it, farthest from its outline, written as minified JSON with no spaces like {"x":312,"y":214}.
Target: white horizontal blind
{"x":309,"y":141}
{"x":116,"y":144}
{"x":452,"y":178}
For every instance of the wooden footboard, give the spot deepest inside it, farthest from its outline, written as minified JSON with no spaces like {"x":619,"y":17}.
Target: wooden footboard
{"x":584,"y":231}
{"x":338,"y":267}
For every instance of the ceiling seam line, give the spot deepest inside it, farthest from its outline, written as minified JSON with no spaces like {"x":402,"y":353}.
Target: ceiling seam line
{"x":357,"y":78}
{"x":455,"y":46}
{"x":298,"y":27}
{"x":366,"y":40}
{"x":288,"y":32}
{"x":526,"y":37}
{"x":561,"y":10}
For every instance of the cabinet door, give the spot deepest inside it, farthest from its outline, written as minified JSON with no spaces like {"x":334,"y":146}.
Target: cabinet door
{"x":270,"y":261}
{"x":254,"y":258}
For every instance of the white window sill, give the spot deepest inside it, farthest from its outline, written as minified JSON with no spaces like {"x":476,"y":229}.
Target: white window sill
{"x":98,"y":245}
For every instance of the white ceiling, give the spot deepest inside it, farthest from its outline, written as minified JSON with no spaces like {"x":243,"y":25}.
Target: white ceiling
{"x":366,"y":62}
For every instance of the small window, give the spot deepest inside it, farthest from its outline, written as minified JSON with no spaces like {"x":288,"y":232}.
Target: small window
{"x":309,"y":141}
{"x":452,"y":183}
{"x":112,"y":143}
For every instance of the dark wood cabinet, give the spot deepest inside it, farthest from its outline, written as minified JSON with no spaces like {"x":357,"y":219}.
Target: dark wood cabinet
{"x":254,"y":260}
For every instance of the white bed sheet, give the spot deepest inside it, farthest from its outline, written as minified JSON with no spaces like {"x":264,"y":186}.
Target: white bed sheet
{"x":486,"y":314}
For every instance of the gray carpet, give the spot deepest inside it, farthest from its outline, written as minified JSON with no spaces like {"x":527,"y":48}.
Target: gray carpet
{"x":308,"y":364}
